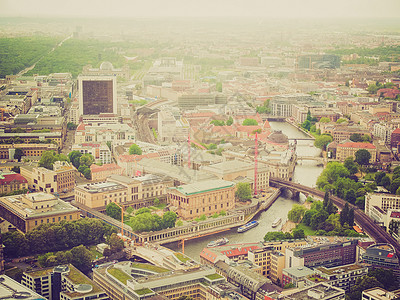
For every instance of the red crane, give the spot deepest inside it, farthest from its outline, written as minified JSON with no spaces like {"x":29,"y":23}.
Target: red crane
{"x":255,"y":164}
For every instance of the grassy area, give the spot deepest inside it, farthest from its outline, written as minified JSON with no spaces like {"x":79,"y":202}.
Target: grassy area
{"x":143,"y":291}
{"x":316,"y":279}
{"x":149,"y":267}
{"x":214,"y":276}
{"x":95,"y":253}
{"x":307,"y":229}
{"x":158,"y":207}
{"x":181,"y":257}
{"x":119,"y":274}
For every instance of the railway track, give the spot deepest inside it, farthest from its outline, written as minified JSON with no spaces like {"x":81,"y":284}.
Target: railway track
{"x":373,"y":230}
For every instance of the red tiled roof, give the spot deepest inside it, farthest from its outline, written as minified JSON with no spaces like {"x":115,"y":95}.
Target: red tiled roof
{"x":208,"y":255}
{"x":12,"y":177}
{"x":239,"y":251}
{"x":397,"y":130}
{"x":106,"y":167}
{"x":133,"y":157}
{"x":358,"y":145}
{"x":395,"y":214}
{"x":81,"y":126}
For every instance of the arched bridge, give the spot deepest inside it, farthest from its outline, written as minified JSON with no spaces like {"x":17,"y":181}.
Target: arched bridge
{"x":315,"y":158}
{"x":368,"y":225}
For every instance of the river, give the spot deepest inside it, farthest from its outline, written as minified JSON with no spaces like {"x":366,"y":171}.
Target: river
{"x":305,"y":173}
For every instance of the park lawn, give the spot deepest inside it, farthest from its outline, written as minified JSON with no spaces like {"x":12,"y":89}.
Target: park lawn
{"x":94,"y":252}
{"x":119,"y":274}
{"x":307,"y":229}
{"x":181,"y":257}
{"x":149,"y":267}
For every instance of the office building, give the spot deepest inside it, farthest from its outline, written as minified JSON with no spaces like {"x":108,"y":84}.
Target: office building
{"x":296,"y":276}
{"x":59,"y":180}
{"x":318,"y":61}
{"x":13,"y":290}
{"x":329,"y":254}
{"x":126,"y":280}
{"x":378,"y":293}
{"x":321,"y":291}
{"x":381,"y":256}
{"x":31,"y":150}
{"x":97,"y":94}
{"x":202,"y":198}
{"x":377,"y":204}
{"x":29,"y":211}
{"x":63,"y":283}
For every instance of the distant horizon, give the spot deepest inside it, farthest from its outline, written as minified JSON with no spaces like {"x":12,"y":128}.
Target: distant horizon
{"x":283,"y":9}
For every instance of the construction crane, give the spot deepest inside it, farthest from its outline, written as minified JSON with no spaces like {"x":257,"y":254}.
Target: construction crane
{"x":255,"y":164}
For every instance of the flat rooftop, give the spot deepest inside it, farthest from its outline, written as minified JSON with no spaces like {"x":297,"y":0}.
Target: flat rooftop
{"x":231,"y":166}
{"x":203,"y":187}
{"x":17,"y":205}
{"x":12,"y":290}
{"x":101,"y":187}
{"x":318,"y":291}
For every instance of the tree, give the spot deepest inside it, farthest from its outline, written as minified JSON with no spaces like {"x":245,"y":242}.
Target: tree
{"x":350,"y":196}
{"x":296,"y":213}
{"x":324,"y":120}
{"x":135,"y":149}
{"x":169,"y":219}
{"x":362,"y":157}
{"x":156,"y":201}
{"x":322,"y":141}
{"x":378,"y":177}
{"x":344,"y":214}
{"x":71,"y":126}
{"x":217,"y":122}
{"x":18,"y":154}
{"x":74,"y":157}
{"x":250,"y":122}
{"x":81,"y":258}
{"x":341,"y":120}
{"x":306,"y":125}
{"x":298,"y":233}
{"x":87,"y":173}
{"x":350,"y":217}
{"x":385,"y":277}
{"x":15,"y":244}
{"x":49,"y":158}
{"x":356,"y":137}
{"x":350,"y":165}
{"x":142,"y":210}
{"x":86,"y":160}
{"x":16,"y":169}
{"x":116,"y":243}
{"x":230,"y":121}
{"x":318,"y":218}
{"x":385,"y":182}
{"x":113,"y":210}
{"x":243,"y":191}
{"x":362,"y":284}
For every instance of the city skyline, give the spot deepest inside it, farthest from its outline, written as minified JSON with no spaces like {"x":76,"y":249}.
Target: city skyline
{"x":207,"y":8}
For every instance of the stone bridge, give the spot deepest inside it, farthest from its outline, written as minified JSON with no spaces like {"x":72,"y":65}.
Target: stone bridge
{"x":373,"y":230}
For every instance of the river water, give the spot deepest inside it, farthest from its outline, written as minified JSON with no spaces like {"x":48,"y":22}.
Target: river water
{"x":305,"y":173}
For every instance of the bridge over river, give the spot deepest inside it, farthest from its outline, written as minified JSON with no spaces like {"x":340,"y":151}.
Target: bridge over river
{"x":373,"y":230}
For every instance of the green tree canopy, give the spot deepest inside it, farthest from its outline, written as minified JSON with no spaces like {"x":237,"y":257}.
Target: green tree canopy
{"x":362,"y":157}
{"x":86,"y":160}
{"x":113,"y":210}
{"x":49,"y":158}
{"x":322,"y":141}
{"x":296,"y":213}
{"x":243,"y":191}
{"x":74,"y":158}
{"x":135,"y":149}
{"x":230,"y":121}
{"x":218,"y":122}
{"x":250,"y":122}
{"x":350,"y":165}
{"x":18,"y":154}
{"x":324,"y":120}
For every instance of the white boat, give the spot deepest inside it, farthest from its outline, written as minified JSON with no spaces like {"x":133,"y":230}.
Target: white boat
{"x":248,"y":226}
{"x":276,"y":222}
{"x":219,"y":242}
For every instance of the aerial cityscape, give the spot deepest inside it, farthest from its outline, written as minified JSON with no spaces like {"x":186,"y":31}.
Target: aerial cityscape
{"x":204,"y":150}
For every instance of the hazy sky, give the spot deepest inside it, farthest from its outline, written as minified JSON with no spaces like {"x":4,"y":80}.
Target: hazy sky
{"x":202,"y":8}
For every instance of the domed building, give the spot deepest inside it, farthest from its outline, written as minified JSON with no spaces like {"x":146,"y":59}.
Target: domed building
{"x":107,"y":68}
{"x":278,"y":137}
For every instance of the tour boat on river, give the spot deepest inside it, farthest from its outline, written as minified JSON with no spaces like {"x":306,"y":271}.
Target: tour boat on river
{"x":219,"y":242}
{"x":276,"y":222}
{"x":248,"y":226}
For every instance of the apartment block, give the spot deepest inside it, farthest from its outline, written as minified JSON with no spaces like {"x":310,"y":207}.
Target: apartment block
{"x":348,"y":149}
{"x":382,"y":201}
{"x":63,"y":283}
{"x":60,"y":179}
{"x":7,"y":150}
